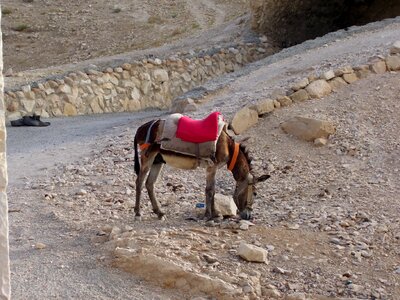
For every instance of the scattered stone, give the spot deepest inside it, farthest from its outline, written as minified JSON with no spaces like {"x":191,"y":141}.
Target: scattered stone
{"x":81,"y":192}
{"x":308,"y":129}
{"x":299,"y":96}
{"x":40,"y":246}
{"x":318,"y":88}
{"x":344,"y":70}
{"x":225,"y":205}
{"x":281,"y":271}
{"x":378,"y":67}
{"x":320,"y":142}
{"x":244,"y":119}
{"x":393,"y":62}
{"x":300,"y":84}
{"x":264,"y":106}
{"x":328,"y":75}
{"x":395,"y":49}
{"x":337,"y":83}
{"x":252,"y":253}
{"x":350,"y":77}
{"x":284,"y":101}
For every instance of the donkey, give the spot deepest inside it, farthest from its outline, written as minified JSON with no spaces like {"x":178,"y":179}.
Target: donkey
{"x":228,"y":152}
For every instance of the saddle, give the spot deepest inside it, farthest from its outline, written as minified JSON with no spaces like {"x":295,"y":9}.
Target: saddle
{"x":198,"y":131}
{"x":196,"y":138}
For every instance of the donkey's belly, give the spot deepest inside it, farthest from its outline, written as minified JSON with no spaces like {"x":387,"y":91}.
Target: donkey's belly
{"x":181,"y":162}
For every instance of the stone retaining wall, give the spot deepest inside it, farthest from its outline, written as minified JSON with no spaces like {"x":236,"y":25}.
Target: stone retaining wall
{"x":133,"y":86}
{"x":316,"y":86}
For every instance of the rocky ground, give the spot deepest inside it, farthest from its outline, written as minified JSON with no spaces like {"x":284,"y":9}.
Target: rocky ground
{"x":328,"y":216}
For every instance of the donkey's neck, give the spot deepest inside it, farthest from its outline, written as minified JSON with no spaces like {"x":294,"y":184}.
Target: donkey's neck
{"x":241,"y":169}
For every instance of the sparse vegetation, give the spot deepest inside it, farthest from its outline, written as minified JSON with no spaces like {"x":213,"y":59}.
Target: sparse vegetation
{"x":177,"y":31}
{"x":116,"y":10}
{"x":6,"y":11}
{"x":195,"y":25}
{"x":21,"y":27}
{"x":155,"y":20}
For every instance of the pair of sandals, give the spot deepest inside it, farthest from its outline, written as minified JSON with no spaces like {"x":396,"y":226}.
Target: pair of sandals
{"x":29,"y":121}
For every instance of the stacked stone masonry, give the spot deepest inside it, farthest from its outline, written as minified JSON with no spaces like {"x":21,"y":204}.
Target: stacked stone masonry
{"x":133,"y":86}
{"x":316,"y":87}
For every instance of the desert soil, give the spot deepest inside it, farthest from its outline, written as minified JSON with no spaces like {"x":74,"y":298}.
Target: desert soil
{"x":328,"y":215}
{"x":73,"y":31}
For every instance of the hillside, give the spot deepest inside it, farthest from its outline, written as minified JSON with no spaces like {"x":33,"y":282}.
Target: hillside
{"x":42,"y":33}
{"x":328,"y":216}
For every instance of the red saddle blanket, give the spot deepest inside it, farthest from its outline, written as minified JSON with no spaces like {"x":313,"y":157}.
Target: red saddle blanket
{"x":198,"y":131}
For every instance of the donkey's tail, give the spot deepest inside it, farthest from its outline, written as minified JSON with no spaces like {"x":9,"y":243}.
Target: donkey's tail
{"x":137,"y":161}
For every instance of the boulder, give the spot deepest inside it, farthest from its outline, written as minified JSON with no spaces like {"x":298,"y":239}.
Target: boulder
{"x":337,"y":83}
{"x":378,"y":67}
{"x":224,"y":205}
{"x":244,"y":119}
{"x":252,"y":253}
{"x":300,"y":84}
{"x":299,"y":96}
{"x":328,"y":75}
{"x":264,"y":106}
{"x":318,"y":88}
{"x":350,"y":77}
{"x":179,"y":105}
{"x":308,"y":129}
{"x":284,"y":101}
{"x":395,"y":49}
{"x":393,"y":62}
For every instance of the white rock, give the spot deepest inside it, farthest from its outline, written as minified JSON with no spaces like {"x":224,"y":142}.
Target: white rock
{"x":244,"y":119}
{"x":264,"y":106}
{"x":395,"y":49}
{"x":225,"y":205}
{"x":252,"y":253}
{"x":308,"y":129}
{"x":40,"y":246}
{"x":318,"y":89}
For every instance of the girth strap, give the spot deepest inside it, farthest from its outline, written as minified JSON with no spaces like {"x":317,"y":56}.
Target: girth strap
{"x":234,"y":157}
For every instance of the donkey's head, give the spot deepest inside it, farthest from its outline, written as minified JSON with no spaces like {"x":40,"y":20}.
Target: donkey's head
{"x":244,"y":194}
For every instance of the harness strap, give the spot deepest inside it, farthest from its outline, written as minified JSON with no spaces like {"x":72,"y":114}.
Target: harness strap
{"x":148,"y":135}
{"x":234,"y":157}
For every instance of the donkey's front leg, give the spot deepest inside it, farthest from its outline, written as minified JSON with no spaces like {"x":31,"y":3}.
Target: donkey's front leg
{"x":210,"y":193}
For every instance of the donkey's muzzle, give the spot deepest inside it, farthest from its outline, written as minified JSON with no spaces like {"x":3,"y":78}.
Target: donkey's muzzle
{"x":245,"y":214}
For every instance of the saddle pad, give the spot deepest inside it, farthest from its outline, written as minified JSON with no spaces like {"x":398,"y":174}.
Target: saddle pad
{"x":198,"y":131}
{"x":170,"y":142}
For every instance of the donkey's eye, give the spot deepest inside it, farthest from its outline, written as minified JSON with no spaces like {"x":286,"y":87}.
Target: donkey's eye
{"x":254,"y":194}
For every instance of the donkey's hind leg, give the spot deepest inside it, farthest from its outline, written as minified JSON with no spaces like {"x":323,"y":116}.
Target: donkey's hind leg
{"x":146,"y":163}
{"x":151,"y":180}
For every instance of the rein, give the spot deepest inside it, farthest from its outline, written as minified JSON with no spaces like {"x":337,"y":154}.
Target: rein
{"x":234,"y":157}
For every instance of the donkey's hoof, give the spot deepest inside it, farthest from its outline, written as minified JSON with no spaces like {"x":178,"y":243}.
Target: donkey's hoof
{"x":162,"y":218}
{"x":138,"y":218}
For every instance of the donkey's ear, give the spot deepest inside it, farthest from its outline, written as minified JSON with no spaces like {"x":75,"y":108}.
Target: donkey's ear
{"x":262,"y":178}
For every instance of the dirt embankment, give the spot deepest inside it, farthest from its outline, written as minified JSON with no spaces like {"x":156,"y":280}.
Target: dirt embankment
{"x":42,"y":33}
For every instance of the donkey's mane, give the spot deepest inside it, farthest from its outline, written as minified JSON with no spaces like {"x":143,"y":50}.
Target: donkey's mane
{"x":247,"y":156}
